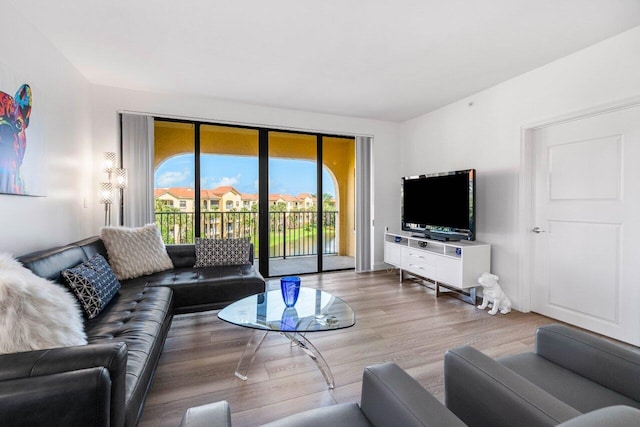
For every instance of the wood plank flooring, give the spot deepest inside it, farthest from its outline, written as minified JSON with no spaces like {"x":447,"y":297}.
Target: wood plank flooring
{"x":405,"y":324}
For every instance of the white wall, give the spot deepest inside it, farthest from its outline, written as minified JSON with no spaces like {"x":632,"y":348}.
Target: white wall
{"x":61,"y":102}
{"x":484,"y":132}
{"x":108,"y":101}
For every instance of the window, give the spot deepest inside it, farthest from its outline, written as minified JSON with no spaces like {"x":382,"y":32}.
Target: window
{"x":183,"y":204}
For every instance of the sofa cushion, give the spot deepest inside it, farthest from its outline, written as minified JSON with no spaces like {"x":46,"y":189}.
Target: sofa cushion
{"x":93,"y":283}
{"x":35,"y":313}
{"x":573,"y":389}
{"x":206,"y":288}
{"x":139,"y":317}
{"x":213,"y":252}
{"x":135,"y":251}
{"x":601,"y":360}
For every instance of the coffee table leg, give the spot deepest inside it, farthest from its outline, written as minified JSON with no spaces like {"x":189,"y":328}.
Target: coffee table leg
{"x":249,"y":353}
{"x":313,"y":353}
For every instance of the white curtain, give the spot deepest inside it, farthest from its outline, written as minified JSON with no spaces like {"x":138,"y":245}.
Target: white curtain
{"x":364,"y":203}
{"x":137,"y":158}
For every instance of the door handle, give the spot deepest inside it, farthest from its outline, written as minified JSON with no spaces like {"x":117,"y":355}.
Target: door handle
{"x":538,"y":230}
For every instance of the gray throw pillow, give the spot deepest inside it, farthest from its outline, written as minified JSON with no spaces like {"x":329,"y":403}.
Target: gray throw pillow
{"x":93,"y":283}
{"x":211,"y":252}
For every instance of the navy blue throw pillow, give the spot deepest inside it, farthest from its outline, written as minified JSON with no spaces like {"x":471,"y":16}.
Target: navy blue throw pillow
{"x":93,"y":283}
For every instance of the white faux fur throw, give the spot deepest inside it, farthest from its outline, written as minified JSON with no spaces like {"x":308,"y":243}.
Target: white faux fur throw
{"x":35,"y":313}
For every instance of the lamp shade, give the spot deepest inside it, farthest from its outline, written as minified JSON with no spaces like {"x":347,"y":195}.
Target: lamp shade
{"x":120,"y":178}
{"x":109,"y":162}
{"x":106,"y":193}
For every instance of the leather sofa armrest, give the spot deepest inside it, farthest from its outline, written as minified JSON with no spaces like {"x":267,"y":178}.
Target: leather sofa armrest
{"x":390,"y":396}
{"x":481,"y":391}
{"x":75,"y":398}
{"x":32,"y":365}
{"x":216,"y":414}
{"x":606,"y":363}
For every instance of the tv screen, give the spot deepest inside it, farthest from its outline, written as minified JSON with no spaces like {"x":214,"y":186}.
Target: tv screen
{"x":440,"y":206}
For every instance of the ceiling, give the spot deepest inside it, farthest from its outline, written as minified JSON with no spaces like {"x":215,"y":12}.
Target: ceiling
{"x":387,"y":60}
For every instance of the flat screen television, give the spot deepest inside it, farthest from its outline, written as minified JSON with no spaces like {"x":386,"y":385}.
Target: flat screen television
{"x":440,"y":206}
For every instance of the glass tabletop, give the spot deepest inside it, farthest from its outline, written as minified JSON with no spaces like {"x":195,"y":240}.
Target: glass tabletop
{"x":315,"y":310}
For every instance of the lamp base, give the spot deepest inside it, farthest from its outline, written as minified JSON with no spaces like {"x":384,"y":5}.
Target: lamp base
{"x":107,"y":214}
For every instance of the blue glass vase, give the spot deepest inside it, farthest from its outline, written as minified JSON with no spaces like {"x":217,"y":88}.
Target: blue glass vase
{"x":290,"y":286}
{"x":289,"y":320}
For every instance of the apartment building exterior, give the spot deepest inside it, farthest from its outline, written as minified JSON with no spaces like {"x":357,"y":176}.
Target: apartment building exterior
{"x":227,"y":213}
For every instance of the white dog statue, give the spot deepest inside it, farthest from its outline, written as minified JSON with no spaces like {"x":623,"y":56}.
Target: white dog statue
{"x":492,"y":293}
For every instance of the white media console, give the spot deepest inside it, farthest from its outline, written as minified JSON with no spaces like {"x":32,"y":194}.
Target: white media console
{"x":455,"y":266}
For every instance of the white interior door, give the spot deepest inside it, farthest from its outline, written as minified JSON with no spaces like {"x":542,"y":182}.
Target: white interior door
{"x":586,"y":242}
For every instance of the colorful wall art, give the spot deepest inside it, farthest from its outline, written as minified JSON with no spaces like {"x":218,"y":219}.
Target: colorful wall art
{"x":14,"y":120}
{"x":21,"y":143}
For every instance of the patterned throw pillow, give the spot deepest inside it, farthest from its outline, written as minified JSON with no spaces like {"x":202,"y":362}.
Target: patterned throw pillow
{"x":135,"y":251}
{"x":210,"y":252}
{"x":93,"y":283}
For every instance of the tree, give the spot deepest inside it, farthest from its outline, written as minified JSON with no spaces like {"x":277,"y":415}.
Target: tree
{"x":175,"y":226}
{"x":328,"y":202}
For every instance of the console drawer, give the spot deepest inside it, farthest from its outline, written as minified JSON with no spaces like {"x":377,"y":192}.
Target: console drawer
{"x":419,"y":262}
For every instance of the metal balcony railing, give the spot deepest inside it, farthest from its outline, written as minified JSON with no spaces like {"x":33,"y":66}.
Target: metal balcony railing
{"x":291,"y":233}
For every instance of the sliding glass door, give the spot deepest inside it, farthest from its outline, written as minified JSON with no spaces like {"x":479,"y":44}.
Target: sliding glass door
{"x":228,"y":171}
{"x":293,"y":205}
{"x":291,"y":193}
{"x":311,"y":203}
{"x":338,"y":203}
{"x":174,"y":181}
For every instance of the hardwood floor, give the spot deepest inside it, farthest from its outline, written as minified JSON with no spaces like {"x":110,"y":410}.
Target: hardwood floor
{"x":404,"y":324}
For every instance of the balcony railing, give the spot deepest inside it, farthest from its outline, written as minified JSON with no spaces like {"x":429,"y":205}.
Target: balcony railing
{"x":291,"y":233}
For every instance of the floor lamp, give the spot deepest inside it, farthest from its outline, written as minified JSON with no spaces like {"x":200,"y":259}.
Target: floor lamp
{"x":120,"y":182}
{"x":106,"y":198}
{"x":108,"y":163}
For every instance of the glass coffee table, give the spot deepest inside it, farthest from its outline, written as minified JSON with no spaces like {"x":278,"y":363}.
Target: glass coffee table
{"x":315,"y":311}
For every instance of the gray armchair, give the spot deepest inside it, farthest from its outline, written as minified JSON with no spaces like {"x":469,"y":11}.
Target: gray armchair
{"x":569,"y":373}
{"x":391,"y":398}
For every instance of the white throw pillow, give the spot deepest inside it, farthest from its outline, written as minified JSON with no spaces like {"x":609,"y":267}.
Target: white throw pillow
{"x":135,"y":251}
{"x":35,"y":313}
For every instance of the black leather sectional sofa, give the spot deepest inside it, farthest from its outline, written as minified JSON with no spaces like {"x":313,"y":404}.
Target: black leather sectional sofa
{"x":105,"y":383}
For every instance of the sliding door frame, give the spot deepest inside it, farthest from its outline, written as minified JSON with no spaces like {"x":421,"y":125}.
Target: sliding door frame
{"x":263,"y":179}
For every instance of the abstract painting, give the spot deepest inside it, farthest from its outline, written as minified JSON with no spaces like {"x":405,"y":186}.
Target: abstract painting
{"x":21,"y":144}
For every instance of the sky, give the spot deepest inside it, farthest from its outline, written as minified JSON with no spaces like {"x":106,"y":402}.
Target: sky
{"x":286,"y":176}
